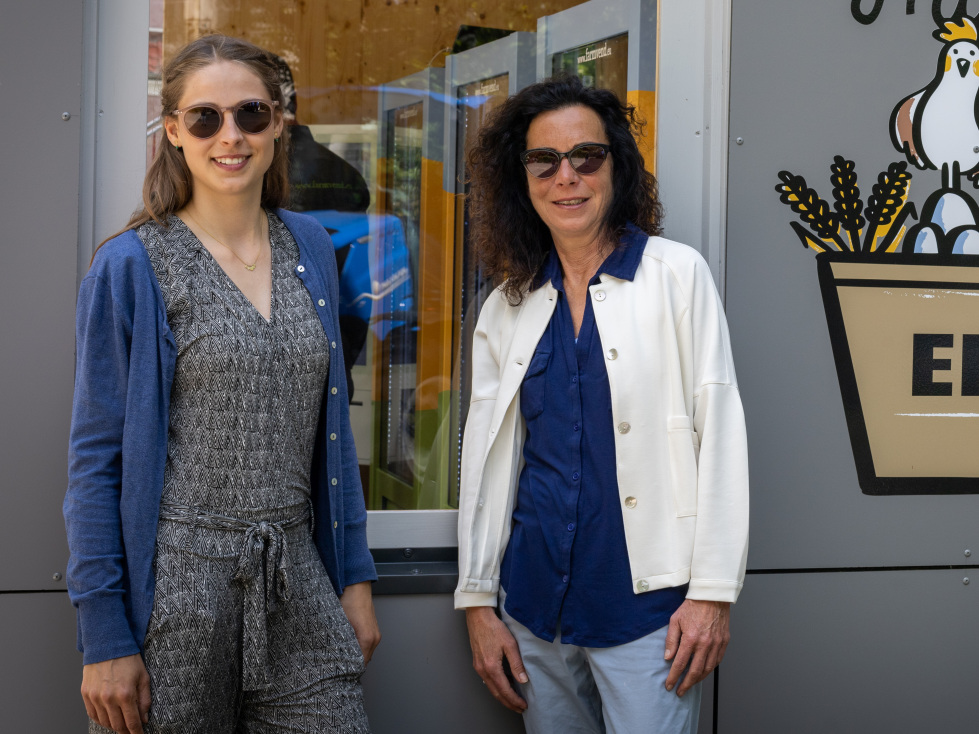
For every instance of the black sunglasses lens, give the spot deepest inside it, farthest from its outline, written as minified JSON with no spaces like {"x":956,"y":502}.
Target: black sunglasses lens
{"x":587,"y":158}
{"x":202,"y":122}
{"x":542,"y":163}
{"x":253,"y":117}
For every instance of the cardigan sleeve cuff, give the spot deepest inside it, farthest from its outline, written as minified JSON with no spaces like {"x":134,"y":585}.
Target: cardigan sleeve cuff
{"x":103,"y":630}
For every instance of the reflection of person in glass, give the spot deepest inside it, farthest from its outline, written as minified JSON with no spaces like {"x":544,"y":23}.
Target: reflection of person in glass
{"x":604,"y":496}
{"x":210,"y":428}
{"x":318,"y":177}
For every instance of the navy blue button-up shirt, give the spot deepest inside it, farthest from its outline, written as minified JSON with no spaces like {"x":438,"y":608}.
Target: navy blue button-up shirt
{"x":566,"y":563}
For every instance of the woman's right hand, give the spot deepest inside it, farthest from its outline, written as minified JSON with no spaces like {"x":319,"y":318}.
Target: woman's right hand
{"x":117,"y":693}
{"x":491,"y":642}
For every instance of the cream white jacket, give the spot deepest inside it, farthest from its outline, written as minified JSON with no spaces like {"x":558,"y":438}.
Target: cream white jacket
{"x":680,"y":445}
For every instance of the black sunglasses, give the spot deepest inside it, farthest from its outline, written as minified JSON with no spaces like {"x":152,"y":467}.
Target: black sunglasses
{"x":253,"y":116}
{"x":545,"y":162}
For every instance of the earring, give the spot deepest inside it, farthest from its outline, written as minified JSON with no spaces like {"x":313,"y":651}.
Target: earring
{"x":277,"y":140}
{"x":176,"y":146}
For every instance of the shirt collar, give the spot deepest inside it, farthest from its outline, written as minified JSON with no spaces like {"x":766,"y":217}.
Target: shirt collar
{"x":622,"y":263}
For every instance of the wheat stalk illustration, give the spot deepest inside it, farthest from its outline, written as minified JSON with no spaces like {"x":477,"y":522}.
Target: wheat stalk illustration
{"x":812,"y":210}
{"x":846,"y":200}
{"x":886,"y":208}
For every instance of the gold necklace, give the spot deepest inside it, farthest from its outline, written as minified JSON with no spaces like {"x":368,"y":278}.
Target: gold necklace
{"x":249,"y":268}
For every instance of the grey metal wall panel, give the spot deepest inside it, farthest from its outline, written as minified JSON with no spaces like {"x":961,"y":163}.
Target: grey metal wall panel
{"x":41,"y":80}
{"x":42,"y":671}
{"x":809,"y":82}
{"x":852,"y":653}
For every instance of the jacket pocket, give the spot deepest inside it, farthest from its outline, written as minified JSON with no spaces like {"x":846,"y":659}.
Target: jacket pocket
{"x":534,"y":386}
{"x":684,"y":455}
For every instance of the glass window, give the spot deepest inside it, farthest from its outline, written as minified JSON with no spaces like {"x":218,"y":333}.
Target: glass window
{"x":367,"y":108}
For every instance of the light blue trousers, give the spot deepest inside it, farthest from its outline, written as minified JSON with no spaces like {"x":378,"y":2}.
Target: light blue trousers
{"x":594,"y":690}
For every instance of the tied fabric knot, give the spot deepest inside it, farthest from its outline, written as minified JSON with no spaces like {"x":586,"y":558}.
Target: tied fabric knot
{"x":262,"y":573}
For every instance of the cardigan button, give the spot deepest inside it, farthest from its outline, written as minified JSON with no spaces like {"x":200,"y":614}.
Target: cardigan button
{"x":334,"y":524}
{"x":321,"y":302}
{"x":300,"y":269}
{"x":630,"y":502}
{"x":333,"y":437}
{"x":333,"y":391}
{"x":333,"y":344}
{"x":333,"y":481}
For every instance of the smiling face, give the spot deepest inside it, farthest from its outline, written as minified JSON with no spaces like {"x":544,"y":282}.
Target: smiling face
{"x":572,"y":205}
{"x":230,"y":163}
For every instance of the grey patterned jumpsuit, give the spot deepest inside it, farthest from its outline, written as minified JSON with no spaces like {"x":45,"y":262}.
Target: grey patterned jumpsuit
{"x":247,"y":634}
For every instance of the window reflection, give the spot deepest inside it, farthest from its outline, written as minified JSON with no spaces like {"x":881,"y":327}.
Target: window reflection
{"x":373,"y":173}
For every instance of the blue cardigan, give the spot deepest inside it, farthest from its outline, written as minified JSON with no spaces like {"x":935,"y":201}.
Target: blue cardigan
{"x":124,"y":368}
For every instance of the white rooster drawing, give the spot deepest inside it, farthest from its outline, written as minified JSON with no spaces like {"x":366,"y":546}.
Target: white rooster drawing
{"x":938,"y":126}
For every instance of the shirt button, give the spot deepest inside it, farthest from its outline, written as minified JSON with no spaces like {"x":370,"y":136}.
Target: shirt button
{"x":321,"y":302}
{"x":630,"y":502}
{"x":643,"y":585}
{"x":333,"y":481}
{"x":611,"y":354}
{"x":624,"y":427}
{"x":599,"y":295}
{"x":570,"y":527}
{"x":300,"y":269}
{"x":333,"y":437}
{"x":574,"y":378}
{"x":574,"y":476}
{"x":333,"y":391}
{"x":576,"y":426}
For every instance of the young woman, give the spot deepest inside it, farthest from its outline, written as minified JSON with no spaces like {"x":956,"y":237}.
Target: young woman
{"x":214,"y":512}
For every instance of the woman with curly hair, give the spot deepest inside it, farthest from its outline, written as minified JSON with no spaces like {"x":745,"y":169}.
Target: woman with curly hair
{"x":604,"y":503}
{"x":215,"y":517}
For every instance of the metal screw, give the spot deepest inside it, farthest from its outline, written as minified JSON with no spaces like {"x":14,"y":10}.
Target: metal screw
{"x":968,"y":553}
{"x":740,"y":141}
{"x":56,"y":575}
{"x":408,"y":552}
{"x":966,"y":581}
{"x":67,"y":116}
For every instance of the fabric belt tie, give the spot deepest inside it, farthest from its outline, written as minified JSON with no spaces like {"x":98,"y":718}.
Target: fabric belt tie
{"x":262,"y":571}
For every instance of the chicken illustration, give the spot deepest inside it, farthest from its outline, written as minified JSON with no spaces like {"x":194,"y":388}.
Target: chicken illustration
{"x":938,"y":126}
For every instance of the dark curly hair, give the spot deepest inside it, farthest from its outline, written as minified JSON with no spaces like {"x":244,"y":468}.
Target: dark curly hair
{"x":509,"y":238}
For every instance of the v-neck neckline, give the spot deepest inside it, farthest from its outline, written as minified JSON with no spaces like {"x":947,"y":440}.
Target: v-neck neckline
{"x":235,"y":289}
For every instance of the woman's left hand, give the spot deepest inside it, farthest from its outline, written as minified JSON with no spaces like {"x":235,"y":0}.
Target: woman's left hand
{"x":358,"y":605}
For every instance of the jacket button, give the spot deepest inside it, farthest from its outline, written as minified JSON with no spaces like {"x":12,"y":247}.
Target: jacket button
{"x":300,"y":269}
{"x":643,"y":585}
{"x":599,"y":295}
{"x":624,"y":427}
{"x":611,"y":354}
{"x":321,"y":302}
{"x":630,"y":502}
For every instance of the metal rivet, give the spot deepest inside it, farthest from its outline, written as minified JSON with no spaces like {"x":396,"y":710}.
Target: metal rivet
{"x":968,"y":553}
{"x":739,"y":140}
{"x":408,"y":552}
{"x":67,"y":116}
{"x":966,"y":581}
{"x":56,"y":575}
